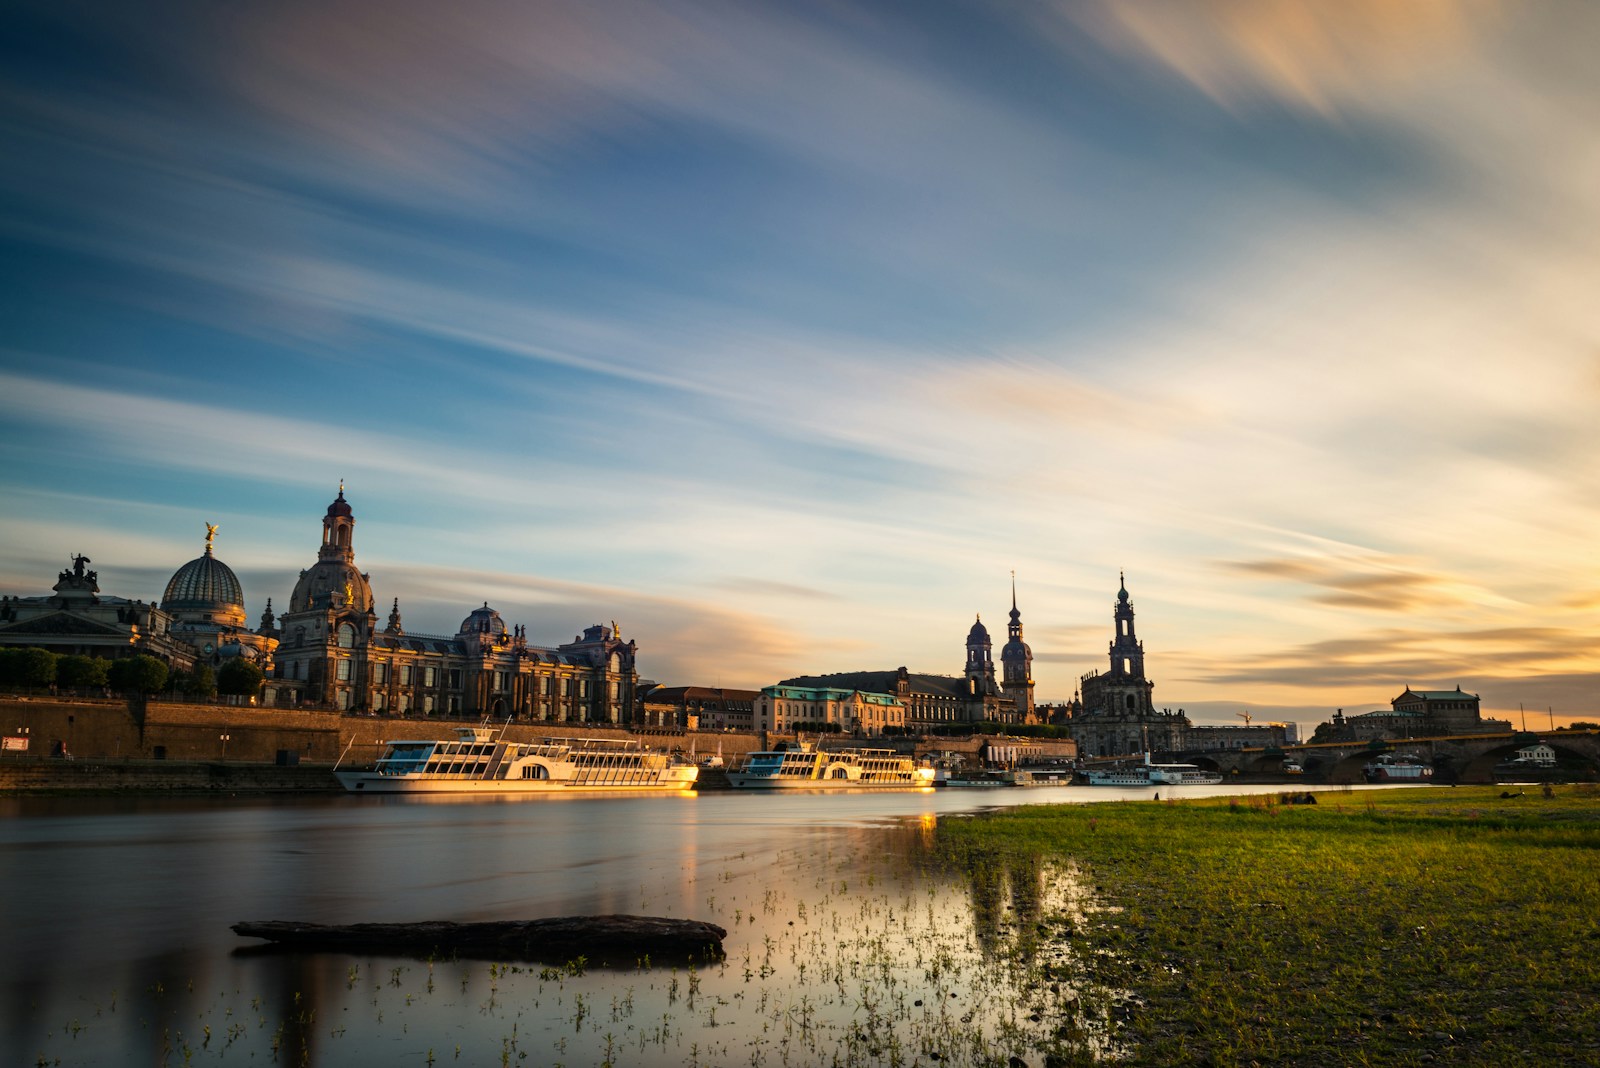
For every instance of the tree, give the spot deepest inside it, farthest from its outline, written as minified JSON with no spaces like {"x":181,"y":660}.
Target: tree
{"x":11,"y":666}
{"x":38,"y":668}
{"x":240,"y":678}
{"x":79,"y":672}
{"x":138,"y":675}
{"x":201,"y":682}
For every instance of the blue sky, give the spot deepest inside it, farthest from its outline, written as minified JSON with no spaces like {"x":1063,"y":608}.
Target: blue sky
{"x":782,"y":334}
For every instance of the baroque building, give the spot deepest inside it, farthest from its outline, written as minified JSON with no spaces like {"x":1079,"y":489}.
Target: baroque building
{"x":206,"y":603}
{"x":1414,"y":714}
{"x":332,"y":654}
{"x":712,"y":708}
{"x":787,"y":707}
{"x":1016,"y":663}
{"x":1117,"y":714}
{"x":77,"y":619}
{"x":930,"y":702}
{"x":199,"y":620}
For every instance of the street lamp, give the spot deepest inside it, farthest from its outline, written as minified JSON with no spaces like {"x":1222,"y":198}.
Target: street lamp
{"x":224,"y":738}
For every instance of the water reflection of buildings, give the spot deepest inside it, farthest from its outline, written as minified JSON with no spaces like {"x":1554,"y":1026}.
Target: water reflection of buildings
{"x":1008,"y":896}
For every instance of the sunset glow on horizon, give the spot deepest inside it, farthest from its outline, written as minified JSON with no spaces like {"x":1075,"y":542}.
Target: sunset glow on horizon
{"x":784,"y":334}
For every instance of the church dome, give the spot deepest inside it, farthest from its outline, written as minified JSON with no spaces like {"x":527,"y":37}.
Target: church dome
{"x":331,"y":584}
{"x":483,"y":620}
{"x":978,"y":631}
{"x":204,"y":585}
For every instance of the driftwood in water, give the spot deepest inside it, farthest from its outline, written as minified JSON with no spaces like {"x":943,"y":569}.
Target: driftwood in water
{"x":620,"y":939}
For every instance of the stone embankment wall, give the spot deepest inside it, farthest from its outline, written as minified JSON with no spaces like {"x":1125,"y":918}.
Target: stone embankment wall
{"x":85,"y":776}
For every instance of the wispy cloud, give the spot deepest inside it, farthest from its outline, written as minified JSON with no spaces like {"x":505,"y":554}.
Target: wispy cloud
{"x":1316,"y":56}
{"x":1379,"y":585}
{"x":833,"y":317}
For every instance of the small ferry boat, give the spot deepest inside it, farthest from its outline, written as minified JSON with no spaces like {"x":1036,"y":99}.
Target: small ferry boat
{"x":480,"y":762}
{"x":805,"y":767}
{"x":1388,"y":767}
{"x":1148,"y":774}
{"x":963,"y":779}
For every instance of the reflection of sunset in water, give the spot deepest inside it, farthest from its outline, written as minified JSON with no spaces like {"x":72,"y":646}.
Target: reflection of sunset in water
{"x":854,"y":944}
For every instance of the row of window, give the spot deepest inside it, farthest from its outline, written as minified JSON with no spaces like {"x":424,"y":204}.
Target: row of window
{"x":409,"y":674}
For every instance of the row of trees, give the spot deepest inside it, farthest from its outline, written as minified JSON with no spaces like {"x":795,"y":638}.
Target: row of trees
{"x":39,"y":669}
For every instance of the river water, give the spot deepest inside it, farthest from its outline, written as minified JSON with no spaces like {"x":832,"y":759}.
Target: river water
{"x":843,"y":946}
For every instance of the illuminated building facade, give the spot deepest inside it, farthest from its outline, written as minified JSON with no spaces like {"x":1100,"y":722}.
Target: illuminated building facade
{"x":1117,"y":713}
{"x":977,"y":695}
{"x":332,"y":654}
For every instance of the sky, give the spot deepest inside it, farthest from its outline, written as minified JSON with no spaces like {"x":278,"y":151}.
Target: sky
{"x":782,"y":335}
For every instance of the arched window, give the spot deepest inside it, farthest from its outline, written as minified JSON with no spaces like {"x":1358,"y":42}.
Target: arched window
{"x":347,"y":636}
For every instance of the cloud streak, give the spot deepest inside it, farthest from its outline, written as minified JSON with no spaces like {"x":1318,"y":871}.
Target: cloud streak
{"x":805,"y":326}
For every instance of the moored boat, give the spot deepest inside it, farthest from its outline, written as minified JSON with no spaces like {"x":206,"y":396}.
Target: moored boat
{"x":805,"y":767}
{"x":1389,"y":767}
{"x":480,"y":762}
{"x":967,"y":778}
{"x":1148,"y":774}
{"x":1524,"y":769}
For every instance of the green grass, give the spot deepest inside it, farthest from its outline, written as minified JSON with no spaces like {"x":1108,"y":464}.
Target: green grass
{"x":1397,"y":927}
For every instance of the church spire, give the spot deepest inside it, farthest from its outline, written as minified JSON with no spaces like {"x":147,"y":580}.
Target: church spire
{"x":1016,"y":662}
{"x":1127,"y":652}
{"x":338,"y":529}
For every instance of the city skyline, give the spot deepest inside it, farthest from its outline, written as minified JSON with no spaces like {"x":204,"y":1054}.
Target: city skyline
{"x":783,"y":335}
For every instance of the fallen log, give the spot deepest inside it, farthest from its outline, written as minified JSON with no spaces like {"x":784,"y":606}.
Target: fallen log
{"x":559,"y":939}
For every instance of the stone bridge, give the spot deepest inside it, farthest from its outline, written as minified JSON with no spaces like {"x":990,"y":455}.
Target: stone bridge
{"x":1455,"y":758}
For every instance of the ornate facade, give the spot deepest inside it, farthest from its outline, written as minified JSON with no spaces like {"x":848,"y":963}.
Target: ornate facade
{"x":933,"y":701}
{"x":206,"y":603}
{"x":785,"y":707}
{"x":200,"y":619}
{"x":1016,"y":664}
{"x":332,"y":654}
{"x":1117,"y":714}
{"x":77,"y":619}
{"x":1415,"y":714}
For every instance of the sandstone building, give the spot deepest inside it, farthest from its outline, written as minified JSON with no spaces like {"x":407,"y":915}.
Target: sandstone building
{"x":1116,"y":714}
{"x":930,"y":702}
{"x":332,"y":654}
{"x":200,"y":619}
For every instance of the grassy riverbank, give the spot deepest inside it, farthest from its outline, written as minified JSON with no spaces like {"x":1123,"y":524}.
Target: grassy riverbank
{"x":1396,"y":927}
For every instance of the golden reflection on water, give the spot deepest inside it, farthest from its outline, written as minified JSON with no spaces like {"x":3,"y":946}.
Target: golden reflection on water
{"x":860,"y":946}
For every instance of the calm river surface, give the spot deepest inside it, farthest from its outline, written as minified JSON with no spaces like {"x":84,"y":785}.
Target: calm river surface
{"x":841,"y":946}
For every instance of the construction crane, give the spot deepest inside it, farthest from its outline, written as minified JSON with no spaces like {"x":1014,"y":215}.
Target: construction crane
{"x":1245,"y":716}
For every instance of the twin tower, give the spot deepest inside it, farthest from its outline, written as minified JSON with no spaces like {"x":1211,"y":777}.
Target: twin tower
{"x":1016,"y":664}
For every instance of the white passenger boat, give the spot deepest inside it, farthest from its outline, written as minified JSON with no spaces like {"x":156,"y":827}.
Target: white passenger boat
{"x":806,"y":767}
{"x":1148,"y":774}
{"x":480,"y":762}
{"x":1388,"y":767}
